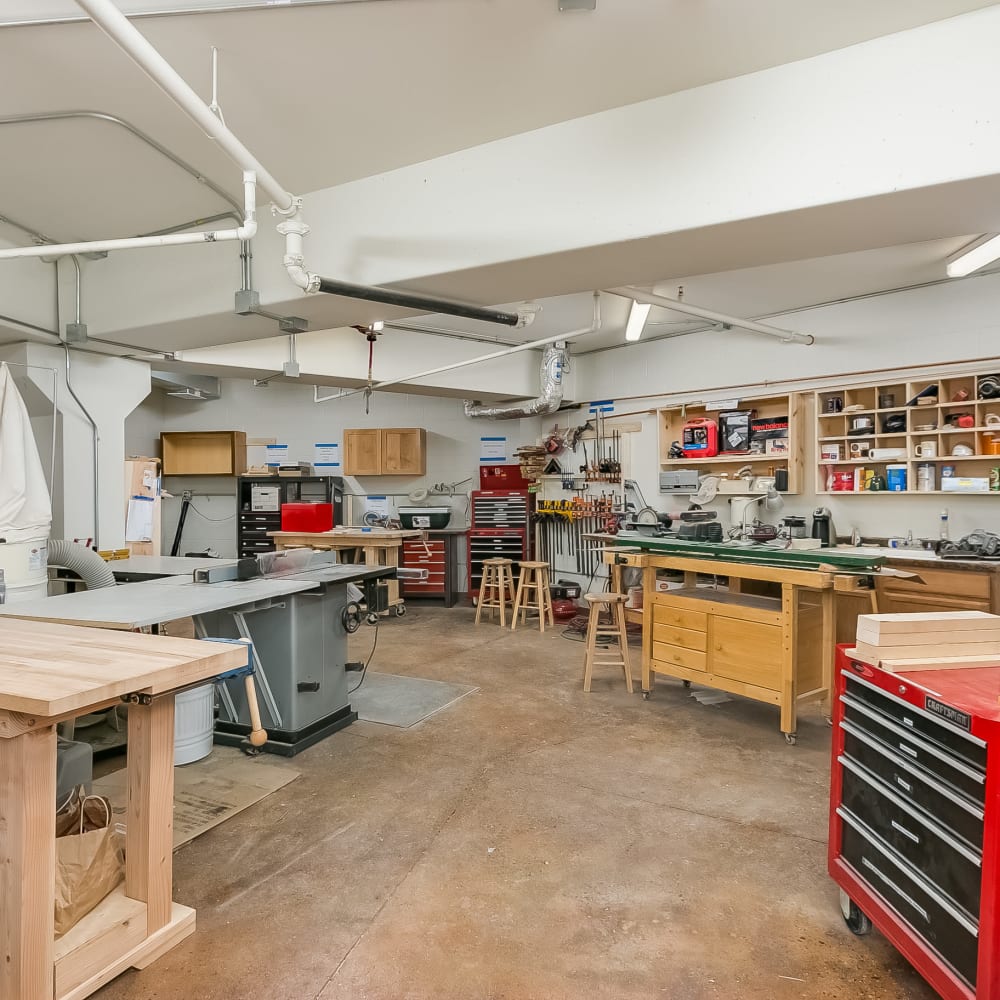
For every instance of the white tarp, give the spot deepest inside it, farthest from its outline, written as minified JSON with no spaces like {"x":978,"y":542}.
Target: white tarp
{"x":25,"y":508}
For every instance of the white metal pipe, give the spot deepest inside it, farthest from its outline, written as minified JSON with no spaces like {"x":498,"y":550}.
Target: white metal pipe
{"x":117,"y":26}
{"x":594,"y":327}
{"x":639,"y":295}
{"x":244,"y":232}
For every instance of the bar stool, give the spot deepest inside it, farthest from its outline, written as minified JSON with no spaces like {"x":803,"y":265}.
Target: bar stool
{"x":598,"y":630}
{"x":496,"y":589}
{"x":535,"y":578}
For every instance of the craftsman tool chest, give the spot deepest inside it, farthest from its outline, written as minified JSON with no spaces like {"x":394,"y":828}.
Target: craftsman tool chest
{"x":915,"y":816}
{"x":439,"y":556}
{"x":499,"y":530}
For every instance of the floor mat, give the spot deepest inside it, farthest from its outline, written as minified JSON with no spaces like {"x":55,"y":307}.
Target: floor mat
{"x":208,"y":792}
{"x":404,"y":701}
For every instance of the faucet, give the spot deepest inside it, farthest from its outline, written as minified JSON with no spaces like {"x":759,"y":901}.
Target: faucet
{"x":909,"y":538}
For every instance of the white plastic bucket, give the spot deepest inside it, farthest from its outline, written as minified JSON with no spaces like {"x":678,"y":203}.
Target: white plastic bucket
{"x":25,"y":569}
{"x":194,"y":723}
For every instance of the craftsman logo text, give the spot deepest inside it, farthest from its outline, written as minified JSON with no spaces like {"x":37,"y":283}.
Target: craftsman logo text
{"x":952,"y":715}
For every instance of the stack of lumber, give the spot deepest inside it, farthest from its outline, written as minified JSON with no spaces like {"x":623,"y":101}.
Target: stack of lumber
{"x":532,"y":459}
{"x":929,"y":640}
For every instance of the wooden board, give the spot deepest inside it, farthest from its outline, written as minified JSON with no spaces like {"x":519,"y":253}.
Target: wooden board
{"x":49,"y":670}
{"x":928,"y":651}
{"x":906,"y":665}
{"x":879,"y":629}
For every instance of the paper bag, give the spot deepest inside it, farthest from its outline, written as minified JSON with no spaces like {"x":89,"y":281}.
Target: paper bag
{"x":89,"y":857}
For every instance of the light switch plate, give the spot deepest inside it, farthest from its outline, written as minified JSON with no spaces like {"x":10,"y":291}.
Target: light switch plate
{"x":577,"y":4}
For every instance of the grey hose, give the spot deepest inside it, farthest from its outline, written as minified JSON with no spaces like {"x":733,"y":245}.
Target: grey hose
{"x":86,"y":563}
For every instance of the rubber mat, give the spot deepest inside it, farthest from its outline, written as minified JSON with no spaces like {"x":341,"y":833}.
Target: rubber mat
{"x":392,"y":700}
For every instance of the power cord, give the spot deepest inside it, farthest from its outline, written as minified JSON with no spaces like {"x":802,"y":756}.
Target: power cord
{"x":364,"y":669}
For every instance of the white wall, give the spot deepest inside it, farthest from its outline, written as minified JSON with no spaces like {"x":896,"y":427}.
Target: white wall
{"x":951,"y":322}
{"x":286,"y":412}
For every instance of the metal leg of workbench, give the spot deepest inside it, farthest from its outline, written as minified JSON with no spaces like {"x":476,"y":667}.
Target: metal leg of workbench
{"x":265,"y":687}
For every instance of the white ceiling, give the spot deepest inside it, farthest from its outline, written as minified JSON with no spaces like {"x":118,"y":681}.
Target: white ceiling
{"x":326,"y":94}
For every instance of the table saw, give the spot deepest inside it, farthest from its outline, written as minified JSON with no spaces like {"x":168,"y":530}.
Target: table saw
{"x":297,"y":618}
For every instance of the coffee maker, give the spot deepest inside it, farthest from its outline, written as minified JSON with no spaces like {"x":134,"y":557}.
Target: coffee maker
{"x":822,"y":527}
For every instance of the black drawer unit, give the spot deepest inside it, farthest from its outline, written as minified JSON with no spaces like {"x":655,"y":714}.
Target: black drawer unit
{"x":913,"y":817}
{"x":510,"y":543}
{"x":253,"y":524}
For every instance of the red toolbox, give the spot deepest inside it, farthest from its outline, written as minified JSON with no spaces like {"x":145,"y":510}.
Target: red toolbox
{"x":915,"y":817}
{"x":306,"y":516}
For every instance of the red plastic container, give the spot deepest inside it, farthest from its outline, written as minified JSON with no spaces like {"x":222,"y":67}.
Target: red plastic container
{"x":502,"y":477}
{"x":306,"y":516}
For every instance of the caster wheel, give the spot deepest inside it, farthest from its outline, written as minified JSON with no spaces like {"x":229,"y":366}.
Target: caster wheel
{"x":400,"y":610}
{"x":372,"y":619}
{"x":791,"y":738}
{"x":687,"y":684}
{"x":645,"y":696}
{"x":857,"y":922}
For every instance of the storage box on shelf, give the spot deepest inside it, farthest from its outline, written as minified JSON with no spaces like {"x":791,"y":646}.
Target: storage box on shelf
{"x":914,"y":429}
{"x":769,"y":448}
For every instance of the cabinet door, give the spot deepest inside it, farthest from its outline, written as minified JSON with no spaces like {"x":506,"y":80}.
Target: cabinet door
{"x":746,"y":651}
{"x":403,"y":452}
{"x":363,"y":452}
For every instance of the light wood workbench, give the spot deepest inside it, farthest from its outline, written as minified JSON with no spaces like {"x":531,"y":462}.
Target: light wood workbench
{"x":776,"y":649}
{"x":53,"y":672}
{"x":378,"y":546}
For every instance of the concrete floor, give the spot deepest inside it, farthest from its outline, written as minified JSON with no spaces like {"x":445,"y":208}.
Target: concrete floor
{"x":531,"y":841}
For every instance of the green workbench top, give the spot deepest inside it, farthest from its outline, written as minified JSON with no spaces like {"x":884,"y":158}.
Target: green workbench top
{"x":758,"y":555}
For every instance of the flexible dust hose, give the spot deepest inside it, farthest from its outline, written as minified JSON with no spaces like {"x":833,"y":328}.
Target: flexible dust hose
{"x":554,"y":360}
{"x":86,"y":563}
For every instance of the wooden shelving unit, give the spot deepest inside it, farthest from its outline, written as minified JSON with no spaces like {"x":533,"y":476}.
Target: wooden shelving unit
{"x":671,"y":421}
{"x":204,"y":453}
{"x":925,"y":424}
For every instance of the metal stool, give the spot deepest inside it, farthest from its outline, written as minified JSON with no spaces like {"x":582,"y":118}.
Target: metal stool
{"x":534,"y":577}
{"x":496,"y":589}
{"x":596,"y":630}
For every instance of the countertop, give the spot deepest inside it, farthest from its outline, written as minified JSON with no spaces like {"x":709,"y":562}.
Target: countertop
{"x":922,"y":558}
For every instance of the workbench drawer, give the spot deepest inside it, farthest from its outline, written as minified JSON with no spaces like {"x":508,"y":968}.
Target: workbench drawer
{"x":678,"y":656}
{"x":933,"y":852}
{"x":667,"y":614}
{"x":747,"y":651}
{"x":674,"y":636}
{"x":936,"y":589}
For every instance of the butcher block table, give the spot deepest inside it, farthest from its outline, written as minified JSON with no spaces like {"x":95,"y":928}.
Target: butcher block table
{"x":378,"y":546}
{"x":49,"y":673}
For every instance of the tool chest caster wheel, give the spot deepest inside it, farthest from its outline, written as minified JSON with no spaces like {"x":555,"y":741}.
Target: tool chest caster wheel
{"x":791,"y":738}
{"x":645,"y":696}
{"x":856,"y":921}
{"x":400,"y":610}
{"x":372,"y":619}
{"x":686,"y":684}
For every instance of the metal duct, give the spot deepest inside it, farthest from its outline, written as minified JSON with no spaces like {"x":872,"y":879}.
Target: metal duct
{"x":186,"y":385}
{"x":555,"y":359}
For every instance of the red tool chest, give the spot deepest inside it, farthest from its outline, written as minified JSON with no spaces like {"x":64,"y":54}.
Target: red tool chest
{"x":499,"y":530}
{"x":915,"y":817}
{"x":306,"y":516}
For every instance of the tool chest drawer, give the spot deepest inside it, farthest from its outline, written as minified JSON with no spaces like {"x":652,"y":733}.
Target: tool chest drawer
{"x":912,"y":719}
{"x":418,"y":548}
{"x":500,"y":508}
{"x":934,"y":853}
{"x":916,"y":786}
{"x":950,"y":932}
{"x":953,"y":772}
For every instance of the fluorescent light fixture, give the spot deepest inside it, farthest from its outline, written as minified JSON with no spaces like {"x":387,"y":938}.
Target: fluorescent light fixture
{"x":637,"y":317}
{"x":983,"y":251}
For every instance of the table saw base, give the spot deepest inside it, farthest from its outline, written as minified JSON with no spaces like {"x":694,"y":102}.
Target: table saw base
{"x":282,"y":741}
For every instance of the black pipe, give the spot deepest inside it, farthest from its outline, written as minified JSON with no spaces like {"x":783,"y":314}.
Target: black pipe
{"x":413,"y":300}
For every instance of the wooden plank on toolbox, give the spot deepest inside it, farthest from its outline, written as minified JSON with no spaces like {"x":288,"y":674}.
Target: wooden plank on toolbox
{"x":939,"y":663}
{"x":878,"y":628}
{"x":676,"y":636}
{"x":929,"y":652}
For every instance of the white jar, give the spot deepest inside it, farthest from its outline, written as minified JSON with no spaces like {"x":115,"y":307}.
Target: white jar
{"x":926,"y":477}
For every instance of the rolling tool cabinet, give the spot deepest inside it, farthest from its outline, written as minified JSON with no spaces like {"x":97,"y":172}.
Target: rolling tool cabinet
{"x":914,"y":811}
{"x":259,"y":499}
{"x":439,"y":556}
{"x":499,"y":530}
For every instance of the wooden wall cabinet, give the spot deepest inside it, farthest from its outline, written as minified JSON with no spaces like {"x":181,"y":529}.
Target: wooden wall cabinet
{"x":763,"y":457}
{"x":385,"y":451}
{"x":204,"y":453}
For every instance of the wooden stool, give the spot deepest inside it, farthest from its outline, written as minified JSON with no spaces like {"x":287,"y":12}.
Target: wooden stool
{"x":496,"y":589}
{"x":534,"y":577}
{"x":596,"y":630}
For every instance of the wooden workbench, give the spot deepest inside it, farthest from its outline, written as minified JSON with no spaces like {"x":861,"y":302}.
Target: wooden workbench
{"x":768,"y":635}
{"x":49,"y":673}
{"x":373,"y":546}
